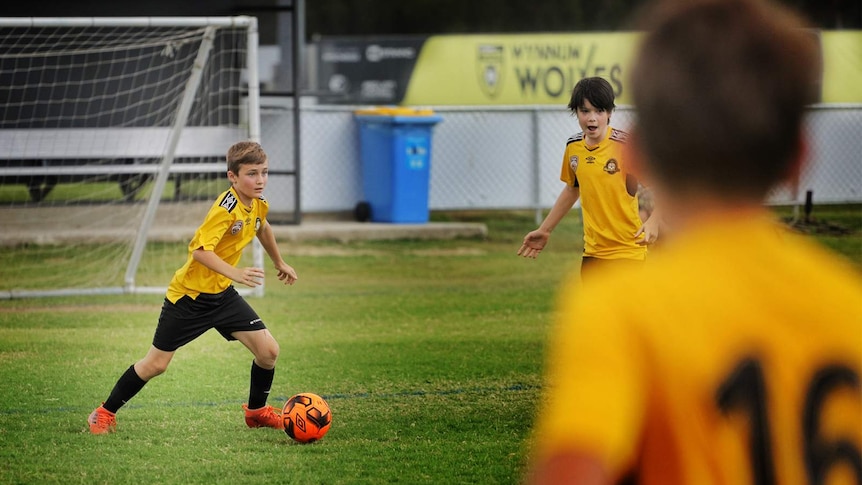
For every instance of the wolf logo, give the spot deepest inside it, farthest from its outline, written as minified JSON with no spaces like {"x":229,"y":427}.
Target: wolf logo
{"x":489,"y":68}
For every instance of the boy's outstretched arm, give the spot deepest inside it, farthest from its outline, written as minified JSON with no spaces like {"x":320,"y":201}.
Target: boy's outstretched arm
{"x":535,"y":240}
{"x":266,"y":236}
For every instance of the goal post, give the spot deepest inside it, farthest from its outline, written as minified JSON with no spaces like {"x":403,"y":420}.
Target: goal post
{"x":101,"y":117}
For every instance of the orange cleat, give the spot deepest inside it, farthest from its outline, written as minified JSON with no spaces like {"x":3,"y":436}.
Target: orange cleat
{"x":102,"y":421}
{"x":265,"y":417}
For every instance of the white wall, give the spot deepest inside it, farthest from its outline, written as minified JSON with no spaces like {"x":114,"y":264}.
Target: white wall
{"x":509,"y":158}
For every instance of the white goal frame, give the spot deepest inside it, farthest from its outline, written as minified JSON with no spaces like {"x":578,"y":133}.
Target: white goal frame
{"x":170,"y":143}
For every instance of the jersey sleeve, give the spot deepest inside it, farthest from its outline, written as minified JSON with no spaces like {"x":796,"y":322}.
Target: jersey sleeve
{"x":263,"y":209}
{"x":568,"y":171}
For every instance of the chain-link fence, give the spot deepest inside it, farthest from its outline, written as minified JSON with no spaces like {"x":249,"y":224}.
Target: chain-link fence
{"x":510,"y":157}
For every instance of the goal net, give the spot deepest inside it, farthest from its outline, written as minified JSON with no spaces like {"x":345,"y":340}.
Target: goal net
{"x":113,"y":137}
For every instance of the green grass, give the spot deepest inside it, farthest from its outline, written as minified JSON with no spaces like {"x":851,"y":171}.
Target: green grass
{"x":428,"y":352}
{"x":838,"y":227}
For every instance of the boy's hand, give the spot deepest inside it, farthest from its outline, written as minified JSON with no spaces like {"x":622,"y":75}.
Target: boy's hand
{"x":286,"y":273}
{"x":533,"y":244}
{"x":649,"y":231}
{"x":250,"y":277}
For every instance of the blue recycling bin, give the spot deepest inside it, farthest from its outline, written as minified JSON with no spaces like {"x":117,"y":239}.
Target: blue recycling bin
{"x":395,"y":154}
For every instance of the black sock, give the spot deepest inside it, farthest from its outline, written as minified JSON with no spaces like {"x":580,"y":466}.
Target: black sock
{"x":127,"y":386}
{"x":261,"y":383}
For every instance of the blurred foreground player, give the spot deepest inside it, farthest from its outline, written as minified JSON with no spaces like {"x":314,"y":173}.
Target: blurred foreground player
{"x":739,"y":363}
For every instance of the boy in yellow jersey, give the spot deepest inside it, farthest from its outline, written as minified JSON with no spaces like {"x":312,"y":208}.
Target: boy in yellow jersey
{"x":596,"y":171}
{"x":739,"y":362}
{"x":201,"y":295}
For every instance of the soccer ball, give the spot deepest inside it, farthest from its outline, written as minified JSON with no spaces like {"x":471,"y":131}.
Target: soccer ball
{"x":306,"y":417}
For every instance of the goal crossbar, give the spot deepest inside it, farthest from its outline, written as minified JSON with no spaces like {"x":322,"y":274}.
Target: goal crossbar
{"x":235,"y":21}
{"x":48,"y":148}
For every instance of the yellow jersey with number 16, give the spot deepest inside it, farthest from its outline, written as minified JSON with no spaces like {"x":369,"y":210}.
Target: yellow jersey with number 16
{"x":738,"y":362}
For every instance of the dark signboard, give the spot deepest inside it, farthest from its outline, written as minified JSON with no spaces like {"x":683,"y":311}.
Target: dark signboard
{"x":365,"y":71}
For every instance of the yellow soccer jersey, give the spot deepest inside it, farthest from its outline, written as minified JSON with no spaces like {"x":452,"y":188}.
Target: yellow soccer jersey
{"x":608,"y":194}
{"x":227,"y":229}
{"x":738,"y":362}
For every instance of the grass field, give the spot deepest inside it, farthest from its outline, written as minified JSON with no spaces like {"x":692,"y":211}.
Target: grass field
{"x":428,"y":352}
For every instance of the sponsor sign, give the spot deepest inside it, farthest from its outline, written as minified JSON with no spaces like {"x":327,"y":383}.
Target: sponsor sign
{"x":842,"y":66}
{"x":517,"y":69}
{"x":365,"y":71}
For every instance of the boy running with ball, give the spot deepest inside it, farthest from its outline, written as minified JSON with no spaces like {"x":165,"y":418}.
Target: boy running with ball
{"x":201,"y":295}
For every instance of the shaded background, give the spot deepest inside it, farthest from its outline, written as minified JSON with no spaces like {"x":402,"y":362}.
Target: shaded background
{"x":394,"y":17}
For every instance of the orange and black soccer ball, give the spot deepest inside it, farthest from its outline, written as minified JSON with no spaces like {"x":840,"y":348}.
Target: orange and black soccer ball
{"x":307,"y":417}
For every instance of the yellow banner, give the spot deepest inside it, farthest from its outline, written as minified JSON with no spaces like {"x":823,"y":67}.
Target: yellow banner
{"x":543,"y":68}
{"x":517,"y":69}
{"x":842,"y":66}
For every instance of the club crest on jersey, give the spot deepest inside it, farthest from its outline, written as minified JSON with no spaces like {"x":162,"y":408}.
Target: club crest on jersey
{"x":611,"y":167}
{"x":573,"y":162}
{"x":228,"y":202}
{"x":257,"y":224}
{"x":236,"y":227}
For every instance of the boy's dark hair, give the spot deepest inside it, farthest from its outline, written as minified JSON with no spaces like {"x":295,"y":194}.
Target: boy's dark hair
{"x":244,"y":153}
{"x":597,"y":90}
{"x":721,"y":88}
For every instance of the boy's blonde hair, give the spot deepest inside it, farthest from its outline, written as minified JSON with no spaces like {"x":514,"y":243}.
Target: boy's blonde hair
{"x":244,"y":153}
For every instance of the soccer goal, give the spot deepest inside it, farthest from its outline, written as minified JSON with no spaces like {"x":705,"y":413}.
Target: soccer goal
{"x":113,"y":138}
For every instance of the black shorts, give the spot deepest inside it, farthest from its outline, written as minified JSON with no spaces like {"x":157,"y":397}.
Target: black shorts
{"x":188,"y":319}
{"x":590,"y":264}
